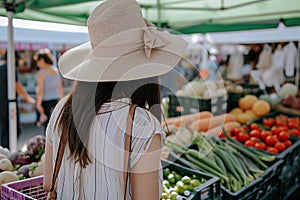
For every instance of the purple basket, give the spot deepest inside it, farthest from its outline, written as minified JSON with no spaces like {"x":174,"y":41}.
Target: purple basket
{"x":31,"y":188}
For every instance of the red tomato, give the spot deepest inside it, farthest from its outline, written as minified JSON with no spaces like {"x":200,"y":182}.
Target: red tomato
{"x":293,"y":122}
{"x":279,"y":146}
{"x":283,"y":128}
{"x":275,"y":130}
{"x":250,"y":143}
{"x":294,"y":132}
{"x":254,"y":133}
{"x":279,"y":121}
{"x":292,"y":125}
{"x":222,"y":135}
{"x":271,"y":140}
{"x":243,"y":137}
{"x":268,"y":122}
{"x":272,"y":150}
{"x":284,"y":136}
{"x":265,"y":134}
{"x":254,"y":126}
{"x":260,"y":145}
{"x":255,"y":139}
{"x":244,"y":127}
{"x":235,"y":138}
{"x":287,"y":143}
{"x":236,"y":131}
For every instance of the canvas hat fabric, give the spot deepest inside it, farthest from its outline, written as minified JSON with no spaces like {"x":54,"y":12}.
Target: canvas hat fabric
{"x":123,"y":46}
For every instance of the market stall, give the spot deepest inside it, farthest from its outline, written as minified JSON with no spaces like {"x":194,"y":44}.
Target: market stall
{"x":219,"y":153}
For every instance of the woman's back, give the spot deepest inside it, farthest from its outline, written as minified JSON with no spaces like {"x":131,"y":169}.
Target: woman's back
{"x":103,"y":179}
{"x":50,"y":84}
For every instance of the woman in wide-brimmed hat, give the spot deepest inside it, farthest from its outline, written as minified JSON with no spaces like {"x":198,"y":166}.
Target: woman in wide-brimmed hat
{"x":110,"y":122}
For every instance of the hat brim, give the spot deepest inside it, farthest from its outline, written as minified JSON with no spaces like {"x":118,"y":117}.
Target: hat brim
{"x":81,"y":63}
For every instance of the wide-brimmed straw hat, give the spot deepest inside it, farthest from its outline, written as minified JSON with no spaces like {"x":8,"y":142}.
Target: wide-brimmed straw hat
{"x":123,"y":46}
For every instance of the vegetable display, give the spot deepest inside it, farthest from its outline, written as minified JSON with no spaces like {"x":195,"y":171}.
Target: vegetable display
{"x":272,"y":135}
{"x":235,"y":164}
{"x":176,"y":186}
{"x":20,"y":165}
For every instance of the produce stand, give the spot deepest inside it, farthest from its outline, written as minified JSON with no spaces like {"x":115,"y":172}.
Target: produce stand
{"x":290,"y":174}
{"x":282,"y":178}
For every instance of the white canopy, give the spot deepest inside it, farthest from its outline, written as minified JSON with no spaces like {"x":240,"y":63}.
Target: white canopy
{"x":279,"y":34}
{"x":45,"y":33}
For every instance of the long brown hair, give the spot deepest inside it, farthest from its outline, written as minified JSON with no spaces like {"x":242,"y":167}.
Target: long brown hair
{"x":81,"y":107}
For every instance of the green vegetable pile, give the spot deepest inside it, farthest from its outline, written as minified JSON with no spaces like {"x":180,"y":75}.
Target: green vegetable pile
{"x":176,"y":186}
{"x":235,"y":164}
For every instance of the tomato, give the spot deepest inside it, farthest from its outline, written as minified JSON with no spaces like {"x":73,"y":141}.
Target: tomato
{"x":287,"y":143}
{"x":268,"y":122}
{"x":271,"y":140}
{"x":283,"y":128}
{"x":236,"y":131}
{"x":279,"y":146}
{"x":244,"y":127}
{"x":293,"y":122}
{"x":272,"y":150}
{"x":255,"y":139}
{"x":250,"y":143}
{"x":222,"y":135}
{"x":275,"y":130}
{"x":294,"y":132}
{"x":292,"y":125}
{"x":284,"y":136}
{"x":265,"y":134}
{"x":280,"y":121}
{"x":235,"y":138}
{"x":254,"y":133}
{"x":243,"y":137}
{"x":260,"y":145}
{"x":254,"y":126}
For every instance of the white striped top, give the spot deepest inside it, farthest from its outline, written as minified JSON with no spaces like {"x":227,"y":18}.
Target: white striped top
{"x":103,"y":179}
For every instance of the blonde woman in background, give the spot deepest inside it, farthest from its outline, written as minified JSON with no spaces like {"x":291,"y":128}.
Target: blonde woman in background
{"x":49,"y":85}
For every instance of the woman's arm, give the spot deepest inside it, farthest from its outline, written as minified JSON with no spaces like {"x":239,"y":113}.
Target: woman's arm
{"x":145,"y":174}
{"x":60,"y":88}
{"x":48,"y":169}
{"x":39,"y":93}
{"x":23,"y":93}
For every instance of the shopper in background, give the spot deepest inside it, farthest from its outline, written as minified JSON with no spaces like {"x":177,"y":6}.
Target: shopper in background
{"x":172,"y":81}
{"x":49,"y":85}
{"x":4,"y":110}
{"x":118,"y":68}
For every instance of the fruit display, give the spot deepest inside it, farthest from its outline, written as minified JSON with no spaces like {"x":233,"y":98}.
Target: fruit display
{"x":249,"y":108}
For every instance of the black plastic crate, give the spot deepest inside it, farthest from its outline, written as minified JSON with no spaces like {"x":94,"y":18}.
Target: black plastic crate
{"x":187,"y":105}
{"x":289,"y":181}
{"x":265,"y":186}
{"x":233,"y":100}
{"x":210,"y":189}
{"x":254,"y":89}
{"x":270,"y":186}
